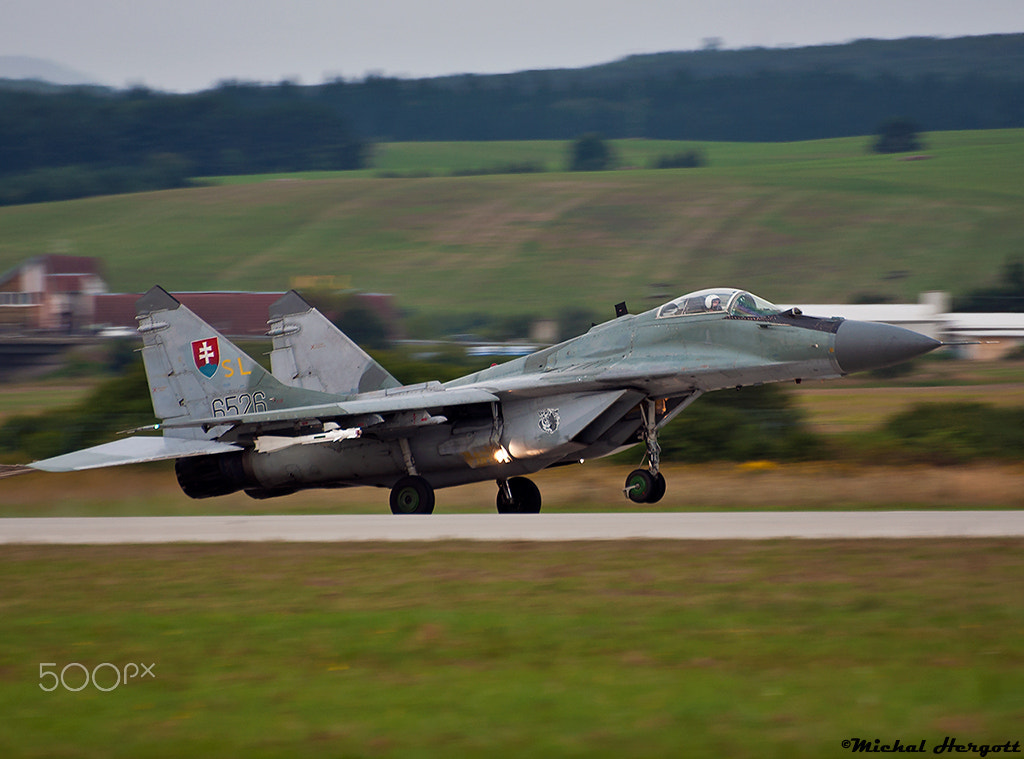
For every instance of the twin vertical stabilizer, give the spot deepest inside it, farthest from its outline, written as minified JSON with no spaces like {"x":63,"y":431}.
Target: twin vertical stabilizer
{"x":311,"y":353}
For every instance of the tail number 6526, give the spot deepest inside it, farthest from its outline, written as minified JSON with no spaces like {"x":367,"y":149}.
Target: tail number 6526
{"x":236,"y":405}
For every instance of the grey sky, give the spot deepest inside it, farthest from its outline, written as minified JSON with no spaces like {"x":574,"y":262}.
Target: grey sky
{"x":187,"y":45}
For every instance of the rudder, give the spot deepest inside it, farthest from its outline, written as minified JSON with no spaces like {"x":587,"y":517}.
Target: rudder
{"x":196,"y":372}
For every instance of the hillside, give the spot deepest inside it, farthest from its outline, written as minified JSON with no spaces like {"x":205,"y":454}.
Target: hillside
{"x":751,"y":95}
{"x":1000,"y":56}
{"x":820,"y":221}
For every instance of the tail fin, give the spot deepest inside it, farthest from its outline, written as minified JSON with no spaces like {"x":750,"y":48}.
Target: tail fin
{"x":311,"y":353}
{"x":194,"y":371}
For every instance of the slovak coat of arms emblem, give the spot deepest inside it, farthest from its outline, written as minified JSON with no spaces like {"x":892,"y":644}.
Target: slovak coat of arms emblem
{"x":206,"y":354}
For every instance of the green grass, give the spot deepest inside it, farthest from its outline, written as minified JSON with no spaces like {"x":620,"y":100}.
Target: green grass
{"x":152,"y":490}
{"x":42,"y":395}
{"x":635,"y":649}
{"x":815,"y":221}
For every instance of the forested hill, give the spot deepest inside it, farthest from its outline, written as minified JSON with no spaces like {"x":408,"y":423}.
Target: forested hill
{"x":738,"y":95}
{"x":745,"y":95}
{"x":1000,"y":56}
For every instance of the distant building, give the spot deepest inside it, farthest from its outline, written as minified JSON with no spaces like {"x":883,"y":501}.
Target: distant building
{"x":928,"y":316}
{"x":994,"y":334}
{"x":52,"y":293}
{"x":234,"y":314}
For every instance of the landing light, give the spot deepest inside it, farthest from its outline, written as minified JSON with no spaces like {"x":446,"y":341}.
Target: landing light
{"x":502,"y":456}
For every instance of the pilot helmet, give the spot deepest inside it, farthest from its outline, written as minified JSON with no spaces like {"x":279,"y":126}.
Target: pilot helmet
{"x":709,"y":302}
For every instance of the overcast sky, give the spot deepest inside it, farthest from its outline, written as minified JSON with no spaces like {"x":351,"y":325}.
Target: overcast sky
{"x":187,"y":45}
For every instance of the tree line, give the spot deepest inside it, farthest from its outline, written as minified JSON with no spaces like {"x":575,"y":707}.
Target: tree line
{"x":757,"y":107}
{"x":57,"y":140}
{"x":76,"y":142}
{"x":228,"y":130}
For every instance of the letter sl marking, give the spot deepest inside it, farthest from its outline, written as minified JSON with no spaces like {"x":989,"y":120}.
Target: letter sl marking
{"x":206,"y":355}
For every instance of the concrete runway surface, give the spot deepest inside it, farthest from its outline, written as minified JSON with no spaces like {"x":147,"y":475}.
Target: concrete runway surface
{"x":759,"y":525}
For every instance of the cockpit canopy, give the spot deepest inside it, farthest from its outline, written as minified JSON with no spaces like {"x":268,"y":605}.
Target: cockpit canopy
{"x":719,"y":299}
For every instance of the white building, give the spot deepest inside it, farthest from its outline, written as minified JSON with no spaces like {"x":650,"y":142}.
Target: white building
{"x":995,"y":334}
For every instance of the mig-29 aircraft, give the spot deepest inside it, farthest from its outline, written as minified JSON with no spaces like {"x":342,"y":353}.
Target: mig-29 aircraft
{"x":329,"y":416}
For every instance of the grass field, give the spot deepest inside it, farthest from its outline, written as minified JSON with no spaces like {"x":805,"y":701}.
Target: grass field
{"x":624,"y":649}
{"x":816,"y":221}
{"x":759,"y":649}
{"x":750,"y":486}
{"x":42,"y":395}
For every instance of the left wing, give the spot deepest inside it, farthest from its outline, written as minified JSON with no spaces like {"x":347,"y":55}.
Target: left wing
{"x":131,"y":450}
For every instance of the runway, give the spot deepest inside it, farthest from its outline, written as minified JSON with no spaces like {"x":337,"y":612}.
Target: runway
{"x":759,"y":525}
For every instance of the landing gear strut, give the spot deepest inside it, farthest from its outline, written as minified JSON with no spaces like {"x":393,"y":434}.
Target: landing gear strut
{"x":647,"y":485}
{"x":518,"y":495}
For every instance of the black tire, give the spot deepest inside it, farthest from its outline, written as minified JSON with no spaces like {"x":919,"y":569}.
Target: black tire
{"x":639,"y":485}
{"x":412,"y":495}
{"x":525,"y":497}
{"x":658,"y":491}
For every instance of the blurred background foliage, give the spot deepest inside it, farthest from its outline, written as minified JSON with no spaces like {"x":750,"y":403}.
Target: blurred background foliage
{"x":750,"y":424}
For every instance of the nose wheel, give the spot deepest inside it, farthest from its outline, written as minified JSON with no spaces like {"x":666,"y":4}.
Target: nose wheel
{"x":644,"y":486}
{"x":647,"y":485}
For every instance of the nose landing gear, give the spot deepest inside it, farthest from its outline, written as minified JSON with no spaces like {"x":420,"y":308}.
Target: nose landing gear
{"x":647,"y":485}
{"x":643,"y":486}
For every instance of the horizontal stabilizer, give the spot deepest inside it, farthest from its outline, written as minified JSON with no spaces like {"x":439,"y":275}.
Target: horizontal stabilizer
{"x":131,"y":450}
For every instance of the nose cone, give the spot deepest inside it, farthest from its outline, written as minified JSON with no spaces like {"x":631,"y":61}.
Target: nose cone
{"x":867,"y":345}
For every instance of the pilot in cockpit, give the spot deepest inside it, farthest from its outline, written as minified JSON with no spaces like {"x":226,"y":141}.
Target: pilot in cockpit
{"x":713,"y":303}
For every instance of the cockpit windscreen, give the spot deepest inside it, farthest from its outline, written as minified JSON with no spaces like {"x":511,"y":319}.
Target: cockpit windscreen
{"x":734,"y":302}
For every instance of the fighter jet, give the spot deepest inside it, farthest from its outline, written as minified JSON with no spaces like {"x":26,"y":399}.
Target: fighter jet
{"x":328,"y":415}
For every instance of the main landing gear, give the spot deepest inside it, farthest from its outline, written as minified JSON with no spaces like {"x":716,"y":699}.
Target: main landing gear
{"x":518,"y":495}
{"x":412,"y":495}
{"x":647,"y":485}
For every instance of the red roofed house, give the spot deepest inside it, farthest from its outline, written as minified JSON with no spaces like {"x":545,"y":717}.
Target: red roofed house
{"x":67,"y":294}
{"x":51,"y":292}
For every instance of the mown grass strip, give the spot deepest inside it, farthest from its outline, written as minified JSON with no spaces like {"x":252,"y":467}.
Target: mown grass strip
{"x":638,"y":648}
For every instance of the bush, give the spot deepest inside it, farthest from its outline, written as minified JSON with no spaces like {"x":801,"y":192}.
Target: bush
{"x":591,"y":153}
{"x":746,"y":425}
{"x":524,"y":167}
{"x":897,"y":136}
{"x":691,"y":159}
{"x":947,"y":433}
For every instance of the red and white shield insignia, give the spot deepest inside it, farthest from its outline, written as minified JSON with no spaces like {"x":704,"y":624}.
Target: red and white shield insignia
{"x":206,"y":354}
